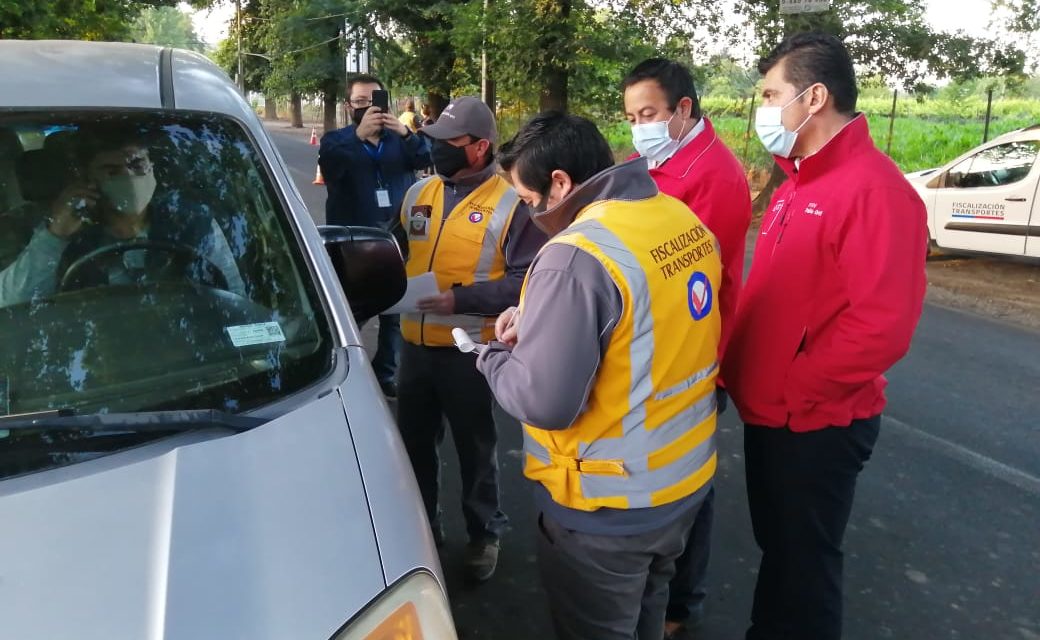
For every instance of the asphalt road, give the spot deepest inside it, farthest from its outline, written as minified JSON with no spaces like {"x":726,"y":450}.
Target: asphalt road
{"x":944,"y":541}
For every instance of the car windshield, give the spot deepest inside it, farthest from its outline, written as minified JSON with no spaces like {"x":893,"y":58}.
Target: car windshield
{"x":146,"y":264}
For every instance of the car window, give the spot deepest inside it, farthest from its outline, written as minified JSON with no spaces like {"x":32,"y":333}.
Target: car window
{"x":994,"y":167}
{"x":146,"y":263}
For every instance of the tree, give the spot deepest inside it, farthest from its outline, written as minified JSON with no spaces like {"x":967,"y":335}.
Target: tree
{"x":886,"y":37}
{"x":1020,"y":20}
{"x":306,"y":44}
{"x":71,"y":19}
{"x":256,"y":64}
{"x":168,"y":26}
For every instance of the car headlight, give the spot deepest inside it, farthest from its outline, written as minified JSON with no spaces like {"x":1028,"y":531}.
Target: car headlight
{"x":413,"y":609}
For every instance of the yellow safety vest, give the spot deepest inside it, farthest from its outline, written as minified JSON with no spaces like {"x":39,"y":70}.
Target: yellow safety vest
{"x":461,"y":249}
{"x":647,"y":434}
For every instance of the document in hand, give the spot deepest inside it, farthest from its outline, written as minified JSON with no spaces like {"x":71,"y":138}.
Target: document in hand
{"x":419,"y":287}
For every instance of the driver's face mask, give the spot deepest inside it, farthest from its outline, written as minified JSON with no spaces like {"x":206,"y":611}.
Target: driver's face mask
{"x":129,"y":195}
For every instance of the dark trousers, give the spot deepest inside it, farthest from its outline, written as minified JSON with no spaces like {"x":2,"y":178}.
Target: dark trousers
{"x":384,"y":363}
{"x":688,"y":589}
{"x":800,"y":491}
{"x":439,"y":382}
{"x":609,"y":587}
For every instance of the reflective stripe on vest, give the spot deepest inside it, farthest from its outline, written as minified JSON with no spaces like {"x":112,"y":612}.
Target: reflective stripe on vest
{"x":435,"y":330}
{"x":635,"y":470}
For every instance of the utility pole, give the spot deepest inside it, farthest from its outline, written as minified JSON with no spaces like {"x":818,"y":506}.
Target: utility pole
{"x":487,"y":84}
{"x":238,"y":19}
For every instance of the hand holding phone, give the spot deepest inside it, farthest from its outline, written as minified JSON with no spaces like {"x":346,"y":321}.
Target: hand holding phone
{"x":72,"y":207}
{"x":381,"y":100}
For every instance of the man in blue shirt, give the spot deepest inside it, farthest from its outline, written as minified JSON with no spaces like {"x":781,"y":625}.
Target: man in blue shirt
{"x":368,"y":166}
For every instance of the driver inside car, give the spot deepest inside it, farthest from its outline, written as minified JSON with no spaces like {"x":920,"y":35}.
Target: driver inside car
{"x":110,"y":227}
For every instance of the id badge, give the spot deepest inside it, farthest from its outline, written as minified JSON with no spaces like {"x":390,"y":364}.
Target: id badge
{"x":419,"y":222}
{"x":382,"y":198}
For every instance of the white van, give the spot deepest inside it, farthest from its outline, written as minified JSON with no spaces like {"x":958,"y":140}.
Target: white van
{"x":987,"y":200}
{"x":192,"y":443}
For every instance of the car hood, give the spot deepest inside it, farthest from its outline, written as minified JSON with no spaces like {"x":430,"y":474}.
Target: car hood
{"x":264,"y":534}
{"x":920,"y":177}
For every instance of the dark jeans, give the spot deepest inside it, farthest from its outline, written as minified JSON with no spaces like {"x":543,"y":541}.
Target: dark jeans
{"x":609,"y":587}
{"x":800,"y":491}
{"x":384,"y":363}
{"x":438,"y":382}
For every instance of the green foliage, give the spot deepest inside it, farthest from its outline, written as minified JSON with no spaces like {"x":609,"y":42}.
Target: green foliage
{"x":166,"y":26}
{"x":71,"y":19}
{"x":889,"y":38}
{"x":304,"y":43}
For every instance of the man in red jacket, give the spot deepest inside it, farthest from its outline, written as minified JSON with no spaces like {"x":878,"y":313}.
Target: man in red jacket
{"x":835,"y":292}
{"x":690,"y":162}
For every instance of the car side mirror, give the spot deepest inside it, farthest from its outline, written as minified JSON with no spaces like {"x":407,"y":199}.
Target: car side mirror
{"x":369,"y":265}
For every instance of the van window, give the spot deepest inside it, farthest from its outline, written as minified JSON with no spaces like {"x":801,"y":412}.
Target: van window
{"x":995,"y":167}
{"x":147,"y":264}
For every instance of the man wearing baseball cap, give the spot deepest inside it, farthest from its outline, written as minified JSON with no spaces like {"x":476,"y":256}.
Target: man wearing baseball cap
{"x":467,"y":226}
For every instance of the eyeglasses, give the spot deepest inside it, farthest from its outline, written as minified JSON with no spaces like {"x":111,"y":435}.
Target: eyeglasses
{"x":361,"y":103}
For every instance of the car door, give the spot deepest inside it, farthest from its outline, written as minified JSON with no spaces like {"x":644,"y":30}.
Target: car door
{"x":1033,"y":239}
{"x":985,"y":200}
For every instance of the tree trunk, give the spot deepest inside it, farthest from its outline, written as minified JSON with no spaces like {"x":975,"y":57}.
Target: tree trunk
{"x":437,"y":102}
{"x":776,"y":178}
{"x":330,"y":102}
{"x":297,"y":110}
{"x":559,"y":38}
{"x":270,"y":107}
{"x":332,"y":84}
{"x":554,"y":90}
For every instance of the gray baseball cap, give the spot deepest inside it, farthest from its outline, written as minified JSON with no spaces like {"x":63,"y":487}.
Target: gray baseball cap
{"x":465,"y":116}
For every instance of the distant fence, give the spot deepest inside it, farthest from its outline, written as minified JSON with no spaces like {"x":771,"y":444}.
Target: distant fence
{"x":918,"y":133}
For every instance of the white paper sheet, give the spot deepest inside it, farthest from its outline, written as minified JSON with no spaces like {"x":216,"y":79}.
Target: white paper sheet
{"x":419,"y":287}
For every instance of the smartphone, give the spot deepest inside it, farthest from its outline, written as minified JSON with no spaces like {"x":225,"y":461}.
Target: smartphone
{"x":381,"y":99}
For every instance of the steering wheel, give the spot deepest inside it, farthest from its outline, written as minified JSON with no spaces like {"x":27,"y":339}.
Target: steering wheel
{"x":182,"y":258}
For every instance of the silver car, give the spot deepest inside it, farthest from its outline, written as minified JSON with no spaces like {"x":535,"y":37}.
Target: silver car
{"x":192,"y":442}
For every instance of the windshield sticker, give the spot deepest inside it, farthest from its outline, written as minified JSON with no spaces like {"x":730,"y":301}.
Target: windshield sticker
{"x":244,"y":335}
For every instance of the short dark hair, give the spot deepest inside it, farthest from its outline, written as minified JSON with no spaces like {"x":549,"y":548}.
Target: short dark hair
{"x":362,"y":79}
{"x":816,"y":57}
{"x":673,"y":77}
{"x":111,"y":135}
{"x":553,"y":140}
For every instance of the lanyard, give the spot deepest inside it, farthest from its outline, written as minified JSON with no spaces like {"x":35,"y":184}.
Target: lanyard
{"x":375,"y":155}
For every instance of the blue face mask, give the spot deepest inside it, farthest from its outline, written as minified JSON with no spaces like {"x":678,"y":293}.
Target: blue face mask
{"x":771,"y":131}
{"x":652,"y":140}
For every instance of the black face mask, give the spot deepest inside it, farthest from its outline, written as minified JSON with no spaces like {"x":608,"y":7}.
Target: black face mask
{"x":358,"y":114}
{"x":447,"y":158}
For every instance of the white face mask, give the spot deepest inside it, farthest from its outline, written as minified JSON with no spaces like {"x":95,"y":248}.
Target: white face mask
{"x":652,"y":140}
{"x":129,"y":195}
{"x":771,"y":131}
